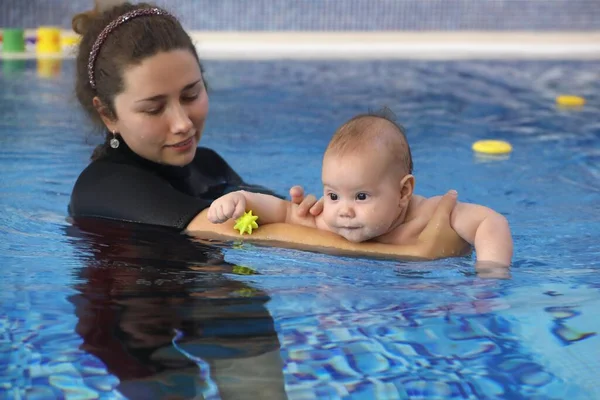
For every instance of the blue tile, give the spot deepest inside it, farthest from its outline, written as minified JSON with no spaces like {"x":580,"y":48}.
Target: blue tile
{"x":338,"y":15}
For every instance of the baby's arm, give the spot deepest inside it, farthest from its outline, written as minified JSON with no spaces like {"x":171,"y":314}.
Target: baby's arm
{"x":487,"y":230}
{"x":269,"y":209}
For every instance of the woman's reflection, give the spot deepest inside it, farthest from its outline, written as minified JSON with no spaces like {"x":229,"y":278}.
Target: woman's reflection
{"x":143,"y":289}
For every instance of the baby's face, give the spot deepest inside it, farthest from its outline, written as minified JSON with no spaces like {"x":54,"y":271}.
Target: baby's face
{"x":362,"y":195}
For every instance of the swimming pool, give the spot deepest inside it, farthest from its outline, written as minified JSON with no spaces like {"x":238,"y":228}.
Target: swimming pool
{"x":87,"y":313}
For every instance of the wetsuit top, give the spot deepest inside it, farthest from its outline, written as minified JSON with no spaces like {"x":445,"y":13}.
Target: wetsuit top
{"x":124,"y":186}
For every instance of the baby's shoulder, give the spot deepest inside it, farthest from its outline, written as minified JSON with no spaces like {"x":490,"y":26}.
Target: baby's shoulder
{"x":422,"y":207}
{"x":420,"y":210}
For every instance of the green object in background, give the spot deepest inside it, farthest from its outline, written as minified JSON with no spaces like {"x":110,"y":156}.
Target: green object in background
{"x":13,"y":41}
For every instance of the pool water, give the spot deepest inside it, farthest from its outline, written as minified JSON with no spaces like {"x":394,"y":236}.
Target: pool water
{"x":108,"y":310}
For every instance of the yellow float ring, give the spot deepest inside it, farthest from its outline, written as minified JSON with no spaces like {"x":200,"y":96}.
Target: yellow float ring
{"x":492,"y":147}
{"x":570,"y":101}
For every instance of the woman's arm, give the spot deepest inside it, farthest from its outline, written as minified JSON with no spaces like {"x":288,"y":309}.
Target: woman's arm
{"x":438,"y":239}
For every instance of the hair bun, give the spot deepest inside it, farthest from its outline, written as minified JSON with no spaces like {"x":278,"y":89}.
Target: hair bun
{"x":81,"y":22}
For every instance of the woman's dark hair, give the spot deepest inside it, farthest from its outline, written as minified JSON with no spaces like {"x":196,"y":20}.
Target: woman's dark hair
{"x":129,"y":44}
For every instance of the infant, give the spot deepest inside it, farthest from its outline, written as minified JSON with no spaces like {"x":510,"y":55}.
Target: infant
{"x":368,"y":190}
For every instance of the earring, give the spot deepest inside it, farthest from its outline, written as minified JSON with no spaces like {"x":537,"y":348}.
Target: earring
{"x":114,"y":142}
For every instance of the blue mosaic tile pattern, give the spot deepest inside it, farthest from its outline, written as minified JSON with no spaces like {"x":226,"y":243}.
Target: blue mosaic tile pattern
{"x":467,"y":350}
{"x":338,"y":15}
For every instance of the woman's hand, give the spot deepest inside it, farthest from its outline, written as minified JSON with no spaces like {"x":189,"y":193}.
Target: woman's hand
{"x":306,"y":205}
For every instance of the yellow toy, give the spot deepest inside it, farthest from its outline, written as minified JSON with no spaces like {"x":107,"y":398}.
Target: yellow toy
{"x":246,"y":223}
{"x":243,"y":270}
{"x":570,"y":101}
{"x":492,"y":147}
{"x":48,"y":40}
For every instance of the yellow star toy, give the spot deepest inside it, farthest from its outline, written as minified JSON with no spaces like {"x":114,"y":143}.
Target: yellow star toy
{"x":246,"y":223}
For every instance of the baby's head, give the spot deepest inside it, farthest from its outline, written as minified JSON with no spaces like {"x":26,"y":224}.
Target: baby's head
{"x":367,"y":179}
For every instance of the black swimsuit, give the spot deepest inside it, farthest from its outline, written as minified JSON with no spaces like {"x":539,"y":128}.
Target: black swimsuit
{"x":124,"y":186}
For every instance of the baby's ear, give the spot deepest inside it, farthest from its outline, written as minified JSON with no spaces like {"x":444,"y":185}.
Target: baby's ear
{"x":407,"y":187}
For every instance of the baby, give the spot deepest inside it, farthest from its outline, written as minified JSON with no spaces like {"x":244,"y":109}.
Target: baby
{"x":368,"y":195}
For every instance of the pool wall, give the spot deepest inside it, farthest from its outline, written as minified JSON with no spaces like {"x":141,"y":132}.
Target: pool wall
{"x":339,"y":15}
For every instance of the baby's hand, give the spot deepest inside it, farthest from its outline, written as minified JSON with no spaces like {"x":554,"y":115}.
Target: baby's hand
{"x":230,"y":206}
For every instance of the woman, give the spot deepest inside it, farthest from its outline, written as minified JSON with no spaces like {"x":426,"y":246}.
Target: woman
{"x":139,"y":78}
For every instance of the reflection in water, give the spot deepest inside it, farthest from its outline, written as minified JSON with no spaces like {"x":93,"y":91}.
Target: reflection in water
{"x":48,"y":67}
{"x":159,"y":311}
{"x":12,"y":67}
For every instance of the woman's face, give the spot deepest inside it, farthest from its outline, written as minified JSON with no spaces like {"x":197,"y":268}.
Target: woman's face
{"x":161,"y":112}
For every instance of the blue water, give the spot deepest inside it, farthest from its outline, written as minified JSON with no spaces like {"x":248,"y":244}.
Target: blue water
{"x":113,"y":310}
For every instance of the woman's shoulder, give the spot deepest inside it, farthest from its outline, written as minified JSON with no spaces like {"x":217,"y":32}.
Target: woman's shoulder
{"x":110,"y":172}
{"x":207,"y":156}
{"x":102,"y":170}
{"x":94,"y":170}
{"x":102,"y":181}
{"x":131,"y":193}
{"x":212,"y":164}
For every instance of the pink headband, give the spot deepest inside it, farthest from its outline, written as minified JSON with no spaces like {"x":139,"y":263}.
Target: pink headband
{"x":140,"y":12}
